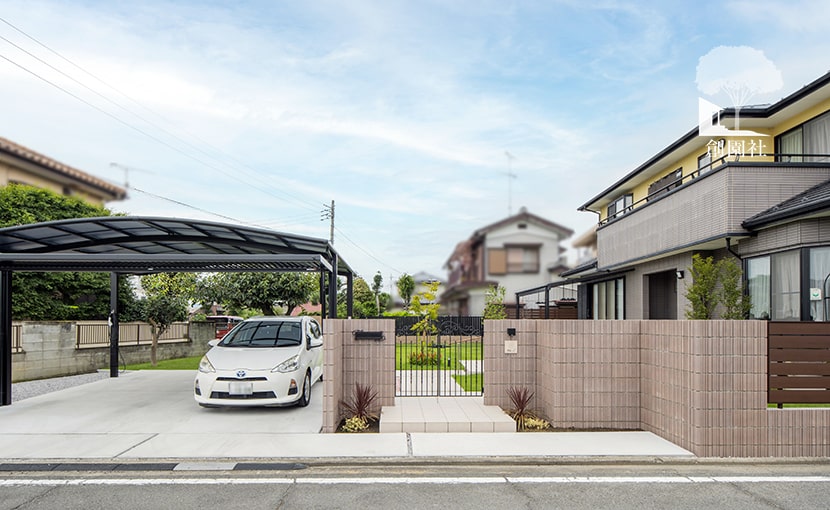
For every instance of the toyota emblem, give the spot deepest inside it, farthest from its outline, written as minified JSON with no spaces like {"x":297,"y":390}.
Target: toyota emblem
{"x":240,"y":374}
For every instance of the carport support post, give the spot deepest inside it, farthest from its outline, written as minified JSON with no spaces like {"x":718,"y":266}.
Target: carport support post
{"x":113,"y":322}
{"x":333,"y":287}
{"x":5,"y":338}
{"x":350,"y":295}
{"x":323,"y":300}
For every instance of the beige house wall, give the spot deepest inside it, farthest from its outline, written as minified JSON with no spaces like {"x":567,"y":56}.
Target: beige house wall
{"x":25,"y":173}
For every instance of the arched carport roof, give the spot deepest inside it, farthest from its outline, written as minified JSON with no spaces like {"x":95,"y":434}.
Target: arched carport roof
{"x":141,"y":245}
{"x":150,"y":244}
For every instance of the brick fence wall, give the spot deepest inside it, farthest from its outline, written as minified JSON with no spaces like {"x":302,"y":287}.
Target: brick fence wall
{"x":700,"y":384}
{"x":349,"y":361}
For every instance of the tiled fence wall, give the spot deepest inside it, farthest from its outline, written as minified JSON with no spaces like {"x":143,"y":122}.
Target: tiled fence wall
{"x":349,"y":361}
{"x":699,"y":384}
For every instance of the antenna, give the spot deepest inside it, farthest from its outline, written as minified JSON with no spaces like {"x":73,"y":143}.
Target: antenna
{"x":510,"y":177}
{"x":127,"y":170}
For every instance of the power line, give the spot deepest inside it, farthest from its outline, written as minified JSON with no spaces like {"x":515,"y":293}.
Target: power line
{"x":367,"y":252}
{"x":256,"y":175}
{"x":178,"y":202}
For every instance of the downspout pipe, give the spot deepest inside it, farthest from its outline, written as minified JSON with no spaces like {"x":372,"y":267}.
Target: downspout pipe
{"x":730,"y":250}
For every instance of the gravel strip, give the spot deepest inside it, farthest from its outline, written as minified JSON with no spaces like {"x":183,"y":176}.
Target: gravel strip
{"x":29,"y":389}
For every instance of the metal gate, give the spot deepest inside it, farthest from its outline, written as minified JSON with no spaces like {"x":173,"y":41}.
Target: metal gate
{"x":444,"y":360}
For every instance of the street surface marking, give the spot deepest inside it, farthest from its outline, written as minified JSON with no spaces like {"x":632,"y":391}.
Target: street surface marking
{"x":17,"y":482}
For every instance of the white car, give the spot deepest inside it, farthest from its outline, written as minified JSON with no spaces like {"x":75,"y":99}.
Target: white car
{"x":263,"y":361}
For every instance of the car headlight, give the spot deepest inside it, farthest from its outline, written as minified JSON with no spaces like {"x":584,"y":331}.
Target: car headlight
{"x":205,"y":365}
{"x":289,"y":365}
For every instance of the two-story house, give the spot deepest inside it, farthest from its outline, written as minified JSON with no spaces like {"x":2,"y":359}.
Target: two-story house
{"x":761,"y":195}
{"x":22,"y":165}
{"x":518,"y":252}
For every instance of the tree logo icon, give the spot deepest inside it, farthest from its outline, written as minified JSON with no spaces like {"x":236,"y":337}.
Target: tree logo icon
{"x":739,"y":72}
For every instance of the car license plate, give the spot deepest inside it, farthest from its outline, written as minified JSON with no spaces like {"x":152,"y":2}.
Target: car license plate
{"x":240,"y":388}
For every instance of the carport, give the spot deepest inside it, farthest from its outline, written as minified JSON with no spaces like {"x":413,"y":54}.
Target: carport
{"x":129,"y":245}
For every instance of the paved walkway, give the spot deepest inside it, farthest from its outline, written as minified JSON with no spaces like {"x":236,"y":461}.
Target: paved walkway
{"x":151,"y":415}
{"x":444,"y":414}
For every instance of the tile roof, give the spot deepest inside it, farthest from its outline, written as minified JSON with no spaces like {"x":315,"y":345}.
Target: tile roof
{"x":17,"y":150}
{"x":811,"y":201}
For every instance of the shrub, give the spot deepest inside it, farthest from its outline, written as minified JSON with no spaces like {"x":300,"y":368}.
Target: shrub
{"x":355,"y":424}
{"x":360,"y":404}
{"x":520,"y":399}
{"x":423,"y":357}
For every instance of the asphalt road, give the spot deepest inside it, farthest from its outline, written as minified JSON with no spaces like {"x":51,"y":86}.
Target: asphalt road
{"x":677,"y":486}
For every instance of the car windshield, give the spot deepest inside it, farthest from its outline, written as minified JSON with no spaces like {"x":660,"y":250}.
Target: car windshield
{"x":264,"y":334}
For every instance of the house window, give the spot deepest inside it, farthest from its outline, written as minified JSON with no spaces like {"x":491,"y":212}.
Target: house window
{"x":776,"y":291}
{"x":819,"y":284}
{"x":704,"y":163}
{"x":667,"y":183}
{"x":757,"y":278}
{"x":620,"y":206}
{"x":812,"y":137}
{"x":522,"y":259}
{"x":789,"y":144}
{"x":608,"y":299}
{"x":774,"y":286}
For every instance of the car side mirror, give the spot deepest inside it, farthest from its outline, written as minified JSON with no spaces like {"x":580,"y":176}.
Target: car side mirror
{"x":214,"y":342}
{"x":315,"y":342}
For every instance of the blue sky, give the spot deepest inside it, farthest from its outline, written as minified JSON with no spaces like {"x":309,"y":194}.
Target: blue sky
{"x":401,"y":112}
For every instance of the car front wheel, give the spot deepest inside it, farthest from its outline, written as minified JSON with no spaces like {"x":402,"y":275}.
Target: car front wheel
{"x":305,"y":398}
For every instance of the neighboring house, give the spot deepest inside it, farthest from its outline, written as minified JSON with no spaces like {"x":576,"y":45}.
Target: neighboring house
{"x":518,"y":252}
{"x":764,"y":200}
{"x":21,"y":165}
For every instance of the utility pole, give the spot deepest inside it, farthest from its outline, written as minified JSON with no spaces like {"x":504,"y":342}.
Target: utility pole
{"x":328,"y":214}
{"x":510,"y":177}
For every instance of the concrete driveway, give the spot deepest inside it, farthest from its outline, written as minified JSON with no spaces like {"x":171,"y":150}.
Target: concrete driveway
{"x":128,"y":415}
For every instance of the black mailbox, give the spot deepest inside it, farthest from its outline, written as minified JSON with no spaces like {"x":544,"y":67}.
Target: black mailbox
{"x":377,"y":336}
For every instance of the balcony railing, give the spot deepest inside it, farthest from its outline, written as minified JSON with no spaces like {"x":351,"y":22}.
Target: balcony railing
{"x":782,"y":158}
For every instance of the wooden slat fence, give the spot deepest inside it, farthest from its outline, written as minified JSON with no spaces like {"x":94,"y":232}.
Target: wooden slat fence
{"x":799,"y":363}
{"x":97,"y":334}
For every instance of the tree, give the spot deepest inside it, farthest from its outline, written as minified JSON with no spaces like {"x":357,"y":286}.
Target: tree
{"x":494,"y":303}
{"x":713,"y":284}
{"x":58,"y":296}
{"x":168,"y":295}
{"x":377,"y":285}
{"x":363,"y":300}
{"x":424,"y":305}
{"x":260,"y":291}
{"x":735,"y":302}
{"x":701,"y":292}
{"x":406,"y":286}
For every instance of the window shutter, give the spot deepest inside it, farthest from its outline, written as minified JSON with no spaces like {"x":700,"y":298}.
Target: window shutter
{"x":497,"y":261}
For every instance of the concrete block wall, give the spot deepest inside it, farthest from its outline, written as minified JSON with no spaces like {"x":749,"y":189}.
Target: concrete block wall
{"x":49,"y":351}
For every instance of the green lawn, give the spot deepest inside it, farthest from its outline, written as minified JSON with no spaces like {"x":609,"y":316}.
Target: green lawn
{"x":169,"y":364}
{"x":470,"y":382}
{"x":449,"y":356}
